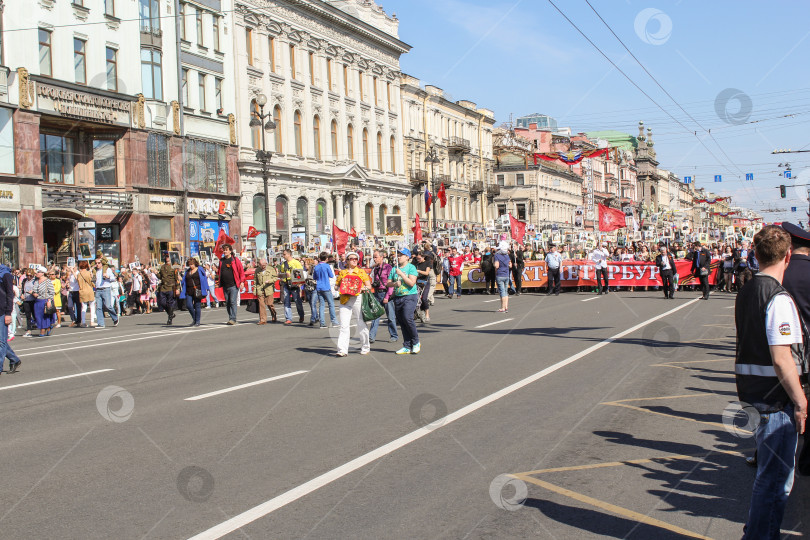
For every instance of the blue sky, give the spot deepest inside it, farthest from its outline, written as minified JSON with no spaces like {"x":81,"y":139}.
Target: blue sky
{"x":521,"y":56}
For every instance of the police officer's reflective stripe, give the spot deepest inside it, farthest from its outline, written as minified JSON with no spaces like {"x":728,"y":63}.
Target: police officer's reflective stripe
{"x":757,"y":370}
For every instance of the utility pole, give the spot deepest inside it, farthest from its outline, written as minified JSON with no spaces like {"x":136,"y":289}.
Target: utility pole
{"x":178,"y":29}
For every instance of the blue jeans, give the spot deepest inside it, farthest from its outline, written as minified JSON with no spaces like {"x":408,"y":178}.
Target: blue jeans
{"x":503,"y":285}
{"x":390,"y":313}
{"x":232,"y":302}
{"x":292,"y":293}
{"x":313,"y":307}
{"x":194,"y":308}
{"x":455,"y":280}
{"x":5,"y":348}
{"x":776,"y":458}
{"x":325,"y":298}
{"x":104,"y":303}
{"x":405,"y":307}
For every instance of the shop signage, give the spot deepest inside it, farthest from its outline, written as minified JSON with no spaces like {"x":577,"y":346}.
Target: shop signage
{"x":83,"y":105}
{"x":10,"y":197}
{"x":210,"y":207}
{"x":163,"y":204}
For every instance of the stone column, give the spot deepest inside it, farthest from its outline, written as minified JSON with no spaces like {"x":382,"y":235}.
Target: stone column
{"x":356,"y":213}
{"x":339,"y":211}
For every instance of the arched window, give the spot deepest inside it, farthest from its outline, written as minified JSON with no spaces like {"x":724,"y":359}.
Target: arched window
{"x":282,"y":224}
{"x":396,"y":210}
{"x":320,"y":217}
{"x":381,"y":219}
{"x":258,"y":213}
{"x":316,"y":136}
{"x":334,"y":140}
{"x":255,"y":132}
{"x":350,"y":141}
{"x":299,"y":150}
{"x":393,"y":155}
{"x":279,"y":129}
{"x":301,"y":213}
{"x":369,"y":218}
{"x":365,"y":148}
{"x":379,"y":151}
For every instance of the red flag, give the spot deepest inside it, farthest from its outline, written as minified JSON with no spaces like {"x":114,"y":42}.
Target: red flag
{"x":518,"y":229}
{"x":340,"y":239}
{"x":442,"y":196}
{"x":610,"y":219}
{"x":417,"y":230}
{"x":252,"y":232}
{"x":353,"y":233}
{"x":222,"y":240}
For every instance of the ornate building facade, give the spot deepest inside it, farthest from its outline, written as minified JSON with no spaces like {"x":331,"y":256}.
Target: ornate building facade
{"x":461,"y":135}
{"x":329,"y":72}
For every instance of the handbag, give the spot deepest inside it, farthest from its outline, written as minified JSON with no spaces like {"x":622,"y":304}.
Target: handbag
{"x":371,"y":308}
{"x":50,"y":308}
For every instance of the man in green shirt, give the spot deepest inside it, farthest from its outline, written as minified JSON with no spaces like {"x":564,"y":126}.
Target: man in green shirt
{"x":264,"y":282}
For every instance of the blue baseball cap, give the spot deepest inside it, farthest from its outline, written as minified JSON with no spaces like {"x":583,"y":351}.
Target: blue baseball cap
{"x":404,"y":251}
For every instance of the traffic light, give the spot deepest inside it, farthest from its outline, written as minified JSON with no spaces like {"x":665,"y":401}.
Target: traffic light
{"x":783,"y":191}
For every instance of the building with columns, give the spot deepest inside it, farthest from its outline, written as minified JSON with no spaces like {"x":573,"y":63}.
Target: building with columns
{"x":329,"y":72}
{"x":461,"y":135}
{"x":104,"y":126}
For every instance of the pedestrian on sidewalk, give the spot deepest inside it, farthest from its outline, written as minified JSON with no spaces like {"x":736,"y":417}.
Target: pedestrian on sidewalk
{"x":503,"y":266}
{"x":7,"y":305}
{"x":352,"y":282}
{"x":403,"y":279}
{"x":231,"y":275}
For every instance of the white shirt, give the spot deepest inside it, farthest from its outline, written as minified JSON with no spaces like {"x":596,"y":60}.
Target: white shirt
{"x":73,"y":282}
{"x":782,"y":321}
{"x":600,"y":257}
{"x":103,"y":279}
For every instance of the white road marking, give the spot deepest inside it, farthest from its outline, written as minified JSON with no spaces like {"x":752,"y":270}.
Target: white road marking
{"x":496,"y":300}
{"x":56,"y":344}
{"x":55,"y":379}
{"x":113,"y":341}
{"x":496,"y":322}
{"x":246,"y":385}
{"x":589,"y":299}
{"x":267,"y":507}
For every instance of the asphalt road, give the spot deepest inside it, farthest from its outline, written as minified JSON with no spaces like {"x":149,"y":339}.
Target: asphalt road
{"x":573,"y":416}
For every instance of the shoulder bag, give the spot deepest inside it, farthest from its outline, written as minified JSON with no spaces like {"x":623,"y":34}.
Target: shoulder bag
{"x":371,"y":307}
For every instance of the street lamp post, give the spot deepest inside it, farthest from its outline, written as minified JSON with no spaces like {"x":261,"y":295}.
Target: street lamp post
{"x":263,"y":156}
{"x":432,"y":157}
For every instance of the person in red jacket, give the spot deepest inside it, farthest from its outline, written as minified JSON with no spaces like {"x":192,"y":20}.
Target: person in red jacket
{"x":231,"y":276}
{"x":456,"y":261}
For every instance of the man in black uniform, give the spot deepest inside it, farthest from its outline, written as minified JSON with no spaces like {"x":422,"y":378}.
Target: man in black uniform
{"x":769,"y":361}
{"x":701,"y":266}
{"x":666,"y":267}
{"x":797,"y":283}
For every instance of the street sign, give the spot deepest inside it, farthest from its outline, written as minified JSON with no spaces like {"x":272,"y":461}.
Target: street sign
{"x":792,"y":208}
{"x":718,"y":178}
{"x":749,"y":176}
{"x":788,"y":174}
{"x":687,"y":179}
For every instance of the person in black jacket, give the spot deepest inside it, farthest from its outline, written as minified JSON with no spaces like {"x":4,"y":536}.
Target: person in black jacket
{"x":7,"y":305}
{"x":517,"y":269}
{"x":488,"y":269}
{"x":701,"y":265}
{"x":666,"y":267}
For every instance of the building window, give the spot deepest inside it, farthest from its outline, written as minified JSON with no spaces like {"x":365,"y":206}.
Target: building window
{"x":293,"y":71}
{"x":519,"y":179}
{"x":79,"y":64}
{"x":56,"y":158}
{"x":157,"y":160}
{"x":521,"y":212}
{"x":6,"y":141}
{"x":256,"y":131}
{"x":388,"y":93}
{"x":112,"y":69}
{"x":150,"y":16}
{"x":272,"y":43}
{"x":379,"y":151}
{"x":381,"y":219}
{"x":215,"y":26}
{"x":249,"y":45}
{"x":360,"y":85}
{"x":184,"y":86}
{"x":501,"y":209}
{"x":258,"y":213}
{"x":104,"y":162}
{"x":109,"y":7}
{"x":370,"y":219}
{"x":201,"y":81}
{"x":9,"y":254}
{"x":151,"y":74}
{"x":207,"y":171}
{"x":345,"y":80}
{"x":301,"y":212}
{"x":500,"y":180}
{"x":200,"y":40}
{"x":365,"y":148}
{"x":279,"y":129}
{"x":329,"y":73}
{"x":350,"y":141}
{"x":374,"y":82}
{"x":182,"y":21}
{"x":316,"y":136}
{"x":320,"y":217}
{"x":312,"y":69}
{"x":218,"y":94}
{"x":281,"y":218}
{"x":334,"y":140}
{"x":393,"y":155}
{"x":297,"y":133}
